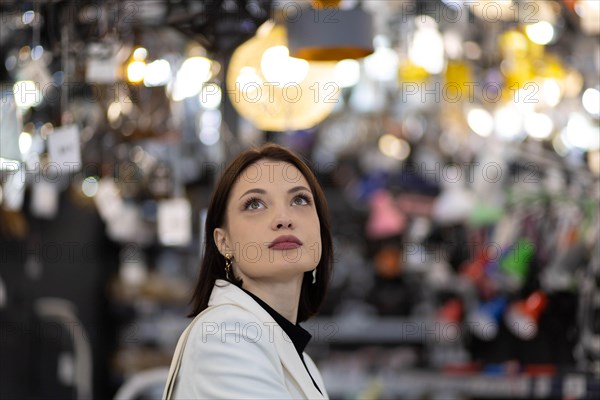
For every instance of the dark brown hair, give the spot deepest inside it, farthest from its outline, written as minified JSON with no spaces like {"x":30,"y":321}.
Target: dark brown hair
{"x":213,"y":263}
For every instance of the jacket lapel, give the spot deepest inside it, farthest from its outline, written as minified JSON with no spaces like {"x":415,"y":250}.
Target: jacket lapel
{"x":227,"y":293}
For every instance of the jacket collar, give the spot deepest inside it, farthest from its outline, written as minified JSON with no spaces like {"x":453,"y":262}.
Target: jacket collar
{"x":226,"y":293}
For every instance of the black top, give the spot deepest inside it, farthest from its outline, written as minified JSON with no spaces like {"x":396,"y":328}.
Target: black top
{"x":299,"y":336}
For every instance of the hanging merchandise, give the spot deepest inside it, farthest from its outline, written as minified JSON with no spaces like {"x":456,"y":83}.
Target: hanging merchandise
{"x":174,"y":222}
{"x":191,"y":78}
{"x":129,"y":226}
{"x":10,"y":129}
{"x":160,"y":180}
{"x":324,"y":32}
{"x":64,"y":149}
{"x":103,"y":62}
{"x":368,"y":97}
{"x":589,"y":12}
{"x":13,"y":190}
{"x":277,"y":92}
{"x":340,"y":134}
{"x":456,"y":202}
{"x":44,"y":201}
{"x":457,"y":147}
{"x":108,"y":201}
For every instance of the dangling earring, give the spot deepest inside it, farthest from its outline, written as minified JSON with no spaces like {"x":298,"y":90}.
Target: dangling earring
{"x":228,"y":266}
{"x":314,"y":276}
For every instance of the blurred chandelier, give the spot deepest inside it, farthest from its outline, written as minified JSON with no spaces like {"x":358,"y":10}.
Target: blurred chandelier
{"x":275,"y":91}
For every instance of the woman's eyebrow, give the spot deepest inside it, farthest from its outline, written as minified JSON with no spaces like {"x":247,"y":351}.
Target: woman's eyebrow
{"x":255,"y":190}
{"x":298,"y":188}
{"x":262,"y":191}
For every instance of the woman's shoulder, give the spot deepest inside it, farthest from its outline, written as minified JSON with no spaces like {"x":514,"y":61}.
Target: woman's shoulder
{"x":230,"y":332}
{"x":230,"y":321}
{"x":224,"y":312}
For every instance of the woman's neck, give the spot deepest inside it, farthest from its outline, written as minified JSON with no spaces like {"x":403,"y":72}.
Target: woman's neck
{"x":283,"y":297}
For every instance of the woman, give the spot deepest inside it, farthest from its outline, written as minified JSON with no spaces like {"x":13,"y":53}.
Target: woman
{"x":266,"y":267}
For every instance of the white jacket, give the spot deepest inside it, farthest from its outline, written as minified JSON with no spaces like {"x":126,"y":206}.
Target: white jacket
{"x":236,"y":350}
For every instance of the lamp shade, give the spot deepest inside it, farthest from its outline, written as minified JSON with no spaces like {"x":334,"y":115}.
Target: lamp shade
{"x":330,"y":34}
{"x":277,"y":92}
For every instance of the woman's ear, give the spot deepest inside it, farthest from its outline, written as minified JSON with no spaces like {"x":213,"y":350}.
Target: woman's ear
{"x":220,"y":238}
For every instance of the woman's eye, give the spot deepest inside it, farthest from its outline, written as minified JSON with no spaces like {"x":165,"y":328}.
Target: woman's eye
{"x":252,"y":204}
{"x":301,"y":201}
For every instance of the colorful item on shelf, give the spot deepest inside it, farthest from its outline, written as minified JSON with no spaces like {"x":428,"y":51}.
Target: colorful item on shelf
{"x":475,"y":271}
{"x":540,"y":369}
{"x":522,"y":316}
{"x":516,"y":261}
{"x":415,"y":205}
{"x":485,"y":214}
{"x":485,"y":320}
{"x":451,"y":311}
{"x":508,"y":368}
{"x":388,"y":262}
{"x":386,"y":219}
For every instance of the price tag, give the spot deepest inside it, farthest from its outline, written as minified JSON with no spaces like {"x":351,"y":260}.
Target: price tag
{"x":64,"y":149}
{"x":10,"y":128}
{"x":14,"y":191}
{"x":174,"y":222}
{"x":102,"y":65}
{"x":44,"y":200}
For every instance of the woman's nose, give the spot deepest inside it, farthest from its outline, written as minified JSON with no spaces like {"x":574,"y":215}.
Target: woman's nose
{"x":287,"y":224}
{"x":282,"y":221}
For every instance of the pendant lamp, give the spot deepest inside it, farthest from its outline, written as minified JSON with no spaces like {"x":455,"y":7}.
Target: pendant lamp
{"x":326,"y":33}
{"x":276,"y":92}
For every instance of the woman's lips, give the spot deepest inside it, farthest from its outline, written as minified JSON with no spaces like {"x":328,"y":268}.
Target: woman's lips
{"x":285,"y":242}
{"x":285,"y":246}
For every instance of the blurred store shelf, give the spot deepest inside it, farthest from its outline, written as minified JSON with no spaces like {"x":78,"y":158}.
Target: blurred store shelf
{"x":382,"y":330}
{"x":417,"y":384}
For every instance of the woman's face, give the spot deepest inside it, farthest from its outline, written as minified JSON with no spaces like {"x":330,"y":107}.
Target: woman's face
{"x":272,"y":228}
